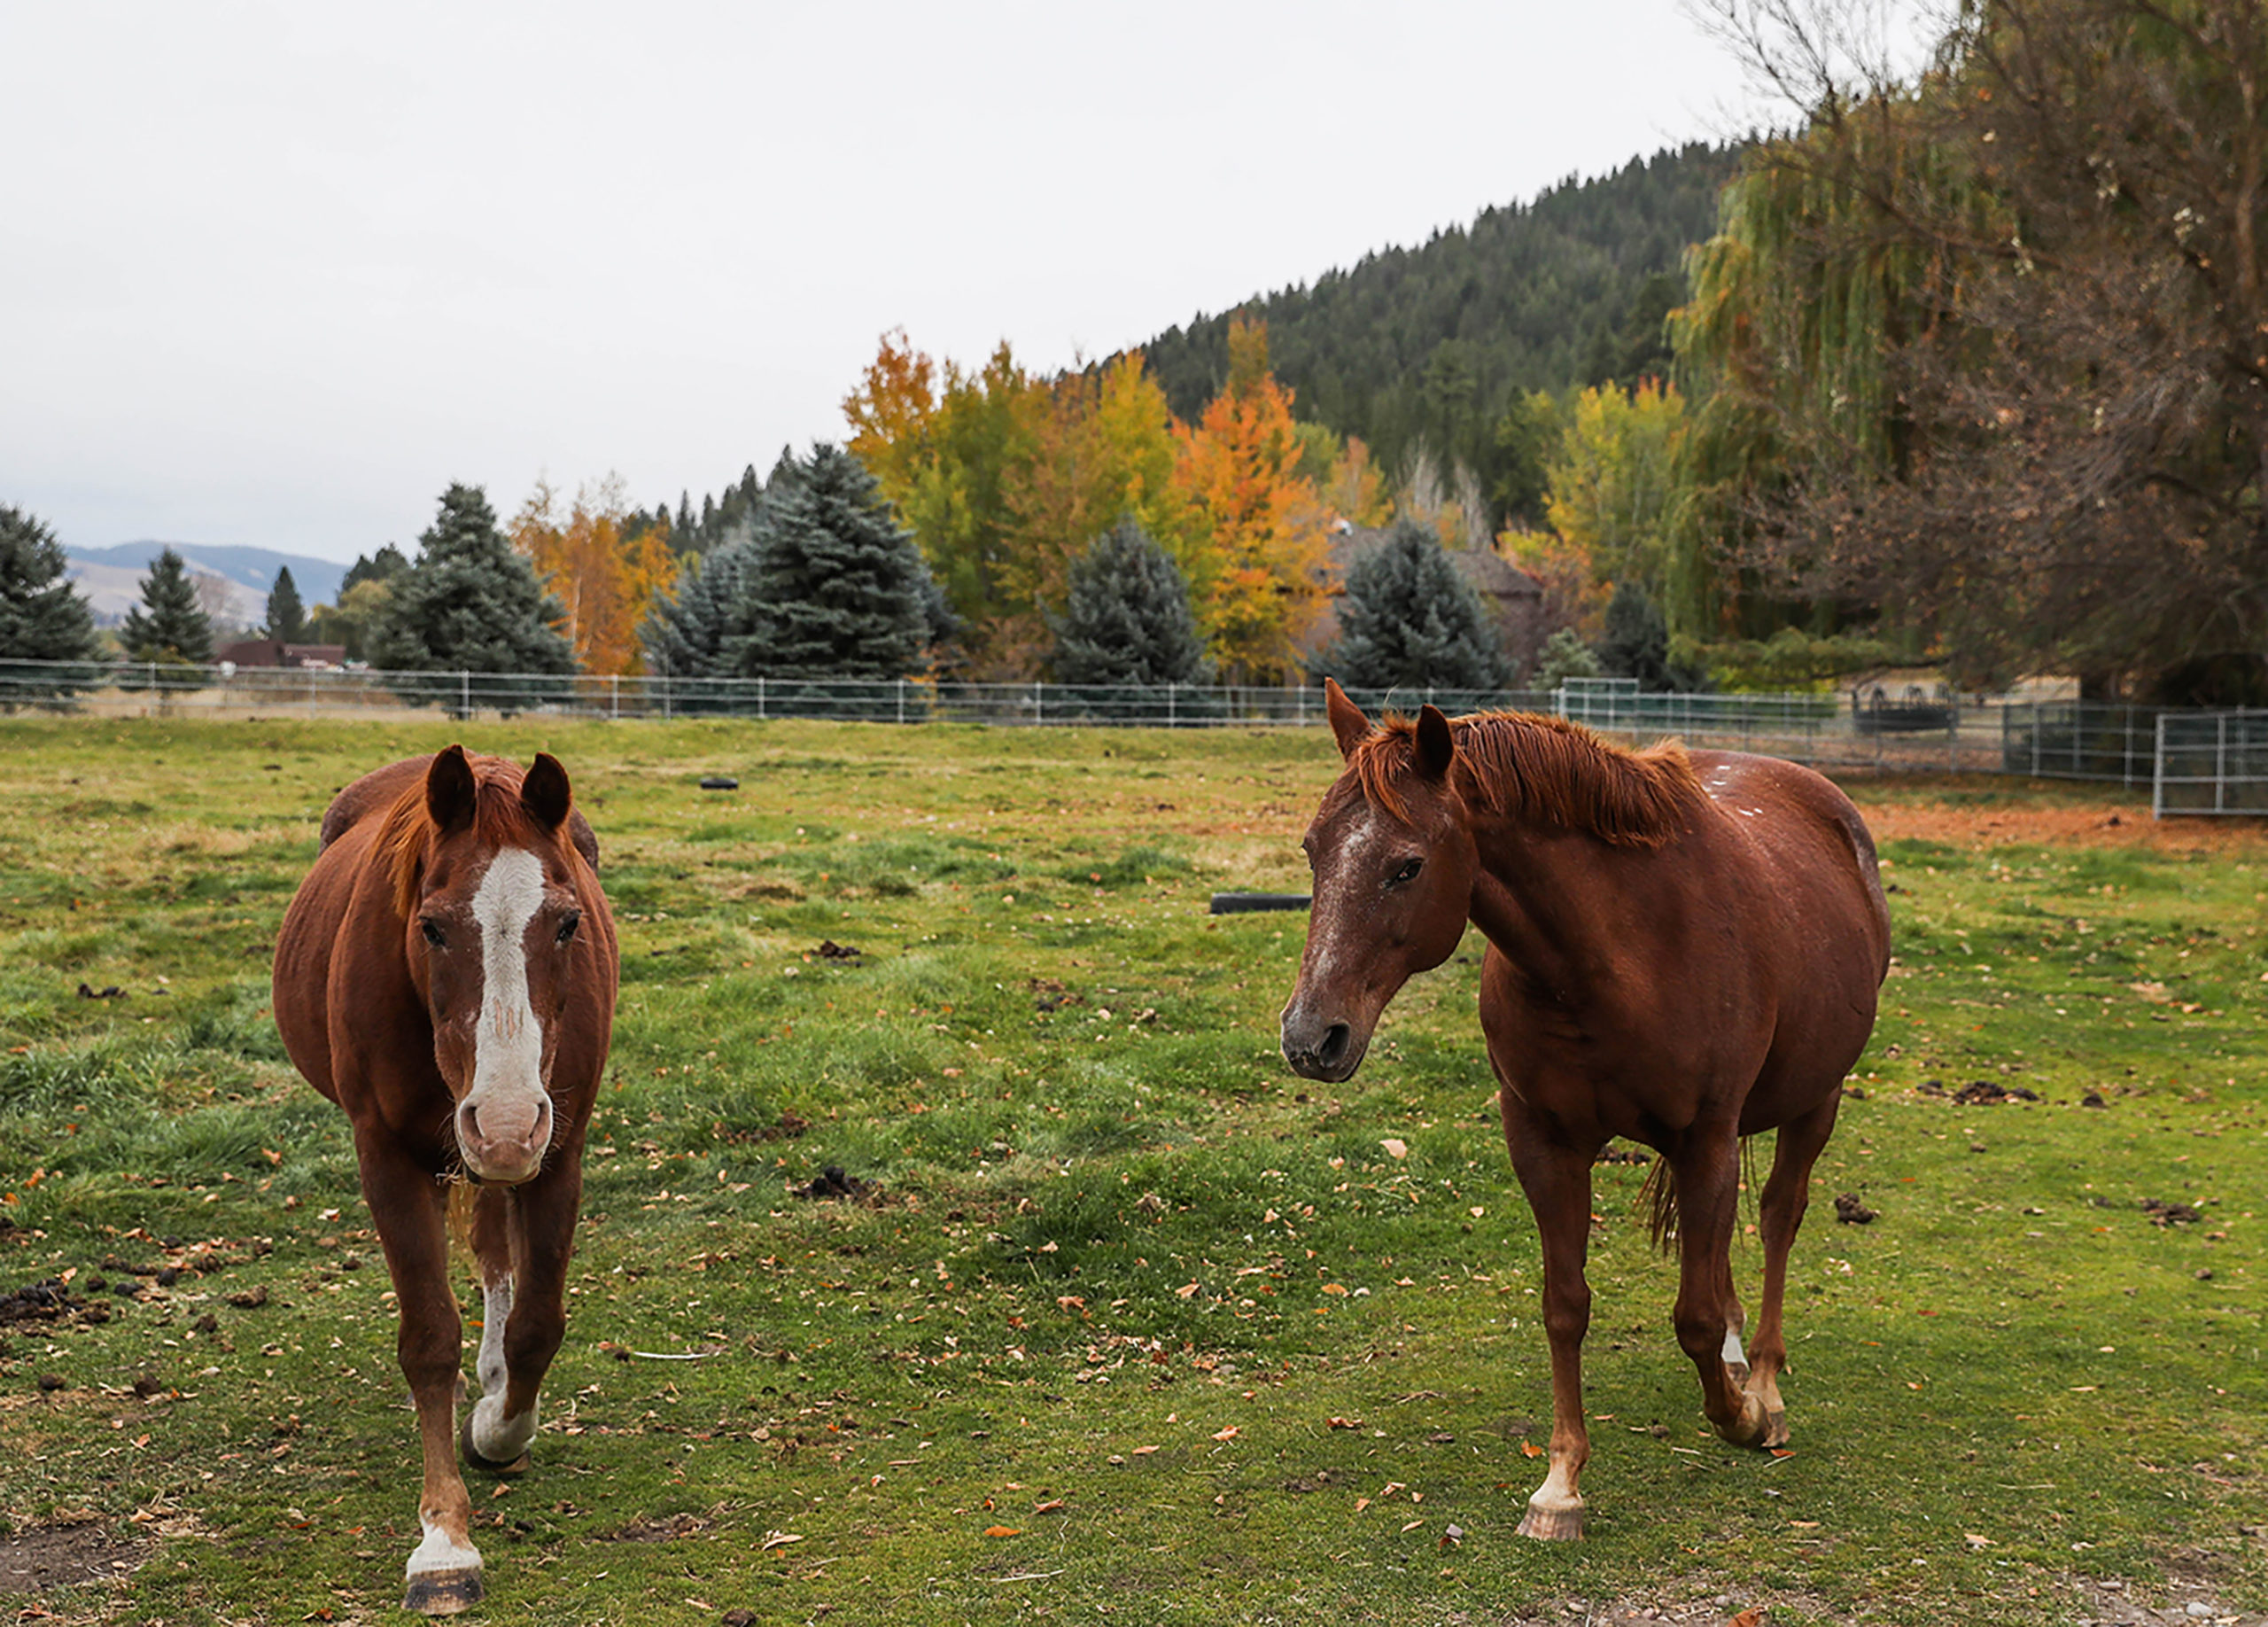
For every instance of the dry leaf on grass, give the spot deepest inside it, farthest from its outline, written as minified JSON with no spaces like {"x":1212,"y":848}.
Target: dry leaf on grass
{"x":1228,"y":1434}
{"x":1395,"y":1147}
{"x":1002,"y":1530}
{"x":1336,"y":1422}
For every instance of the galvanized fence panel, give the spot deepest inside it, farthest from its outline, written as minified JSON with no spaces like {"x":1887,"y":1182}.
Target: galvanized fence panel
{"x":2210,"y":762}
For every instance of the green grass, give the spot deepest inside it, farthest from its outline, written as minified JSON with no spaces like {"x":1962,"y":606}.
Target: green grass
{"x":1176,"y":1319}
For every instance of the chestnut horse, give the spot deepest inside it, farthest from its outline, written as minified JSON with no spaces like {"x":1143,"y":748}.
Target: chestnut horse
{"x":1684,"y":948}
{"x":446,"y":975}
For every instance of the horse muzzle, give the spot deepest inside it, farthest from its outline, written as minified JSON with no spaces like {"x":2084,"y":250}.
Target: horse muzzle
{"x":503,"y":1137}
{"x":1329,"y":1052}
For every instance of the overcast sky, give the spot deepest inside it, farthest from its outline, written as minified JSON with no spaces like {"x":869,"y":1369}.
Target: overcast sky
{"x":276,"y":273}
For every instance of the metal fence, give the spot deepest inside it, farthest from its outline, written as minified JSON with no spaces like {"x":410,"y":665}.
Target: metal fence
{"x":2210,"y":762}
{"x":1862,"y":729}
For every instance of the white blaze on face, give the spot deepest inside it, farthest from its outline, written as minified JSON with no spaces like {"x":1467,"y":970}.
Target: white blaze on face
{"x":508,"y":1044}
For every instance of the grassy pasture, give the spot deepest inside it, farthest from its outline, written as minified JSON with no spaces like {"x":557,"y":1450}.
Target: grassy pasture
{"x":1143,"y":1327}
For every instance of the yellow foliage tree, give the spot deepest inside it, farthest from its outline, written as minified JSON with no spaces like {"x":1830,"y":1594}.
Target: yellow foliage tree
{"x":1613,"y":481}
{"x":1256,"y":556}
{"x":605,"y":569}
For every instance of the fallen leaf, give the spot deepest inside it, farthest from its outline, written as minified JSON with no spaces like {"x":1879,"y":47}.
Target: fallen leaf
{"x":1336,"y":1422}
{"x":1395,"y":1147}
{"x":1753,"y":1617}
{"x":1361,"y":1503}
{"x":1228,"y":1434}
{"x":1334,"y":1288}
{"x":1451,"y":1535}
{"x":1976,"y":1541}
{"x":1002,"y":1530}
{"x":776,"y":1539}
{"x":1411,"y":1526}
{"x":1144,"y":1451}
{"x":1053,"y":1505}
{"x":1186,"y":1291}
{"x":1529,"y":1448}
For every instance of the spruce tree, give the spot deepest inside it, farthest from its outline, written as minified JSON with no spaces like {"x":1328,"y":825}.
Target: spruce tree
{"x":42,"y":615}
{"x":382,"y":566}
{"x":169,"y":626}
{"x":287,"y":616}
{"x":838,"y":591}
{"x":469,"y":603}
{"x":1635,"y":644}
{"x":1126,"y":620}
{"x":688,"y":634}
{"x":1410,"y":622}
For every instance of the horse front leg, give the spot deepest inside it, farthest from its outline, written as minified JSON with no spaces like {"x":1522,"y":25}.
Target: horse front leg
{"x":409,"y":1209}
{"x":1786,"y":1195}
{"x":1557,"y":1178}
{"x":523,"y":1277}
{"x":1707,"y":1172}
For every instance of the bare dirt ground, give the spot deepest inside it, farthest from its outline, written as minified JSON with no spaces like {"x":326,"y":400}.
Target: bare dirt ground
{"x":2062,"y":821}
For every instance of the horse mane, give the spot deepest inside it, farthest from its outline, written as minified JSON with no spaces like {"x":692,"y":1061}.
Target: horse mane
{"x":1547,"y":770}
{"x":405,"y":840}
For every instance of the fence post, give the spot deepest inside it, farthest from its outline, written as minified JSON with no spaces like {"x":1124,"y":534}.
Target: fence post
{"x":1039,"y":703}
{"x":1170,"y":712}
{"x":614,"y":682}
{"x":464,"y":693}
{"x":2221,"y":763}
{"x":2157,"y":772}
{"x":761,"y":715}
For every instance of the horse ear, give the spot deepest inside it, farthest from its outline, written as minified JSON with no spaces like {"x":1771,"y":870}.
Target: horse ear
{"x":450,"y":792}
{"x":544,"y":793}
{"x":1347,"y":720}
{"x":1435,"y":744}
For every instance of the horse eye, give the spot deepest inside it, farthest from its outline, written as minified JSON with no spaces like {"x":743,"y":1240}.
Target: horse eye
{"x":1406,"y":873}
{"x":434,"y":934}
{"x":567,"y":927}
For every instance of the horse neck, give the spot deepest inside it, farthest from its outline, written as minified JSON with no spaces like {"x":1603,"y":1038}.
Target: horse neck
{"x":1544,"y":896}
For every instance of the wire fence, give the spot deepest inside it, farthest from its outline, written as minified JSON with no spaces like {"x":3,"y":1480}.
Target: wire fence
{"x":1860,"y":729}
{"x":2210,"y":762}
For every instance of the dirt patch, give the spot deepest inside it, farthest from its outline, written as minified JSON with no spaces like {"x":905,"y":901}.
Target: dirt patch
{"x":2054,"y":824}
{"x":51,"y":1556}
{"x":670,"y":1528}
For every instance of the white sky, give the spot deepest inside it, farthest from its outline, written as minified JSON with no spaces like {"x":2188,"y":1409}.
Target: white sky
{"x":276,"y":273}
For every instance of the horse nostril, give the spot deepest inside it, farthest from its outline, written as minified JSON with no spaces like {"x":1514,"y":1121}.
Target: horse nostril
{"x":1333,"y":1049}
{"x":469,"y":1124}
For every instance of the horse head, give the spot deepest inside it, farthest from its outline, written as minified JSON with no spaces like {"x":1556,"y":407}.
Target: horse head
{"x":494,"y":919}
{"x":1395,"y":862}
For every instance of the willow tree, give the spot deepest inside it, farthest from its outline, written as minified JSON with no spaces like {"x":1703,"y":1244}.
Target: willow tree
{"x":1985,"y":341}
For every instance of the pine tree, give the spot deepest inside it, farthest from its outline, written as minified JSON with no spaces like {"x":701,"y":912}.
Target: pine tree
{"x":688,"y":634}
{"x":1127,"y":618}
{"x":42,"y":615}
{"x":169,"y":626}
{"x":469,"y":603}
{"x":287,"y":616}
{"x":1409,"y":620}
{"x":1635,"y":644}
{"x":382,"y":566}
{"x":838,"y":589}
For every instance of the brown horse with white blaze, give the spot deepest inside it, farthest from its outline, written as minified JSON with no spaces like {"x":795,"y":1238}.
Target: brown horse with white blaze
{"x":1684,"y":949}
{"x":446,"y":975}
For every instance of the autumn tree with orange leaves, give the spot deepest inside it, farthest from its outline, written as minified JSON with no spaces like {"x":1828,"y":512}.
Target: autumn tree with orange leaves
{"x":1257,"y":567}
{"x":604,"y":570}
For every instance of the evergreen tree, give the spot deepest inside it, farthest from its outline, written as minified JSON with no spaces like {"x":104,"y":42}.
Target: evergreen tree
{"x":469,"y":603}
{"x":688,"y":634}
{"x":1563,"y":656}
{"x":169,"y":626}
{"x":287,"y":616}
{"x":1127,"y":617}
{"x":42,"y":617}
{"x":838,"y":589}
{"x":1635,"y":644}
{"x":382,"y":566}
{"x":1409,"y":620}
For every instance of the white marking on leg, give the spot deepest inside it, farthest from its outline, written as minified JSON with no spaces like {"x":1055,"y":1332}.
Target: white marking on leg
{"x":442,"y":1552}
{"x":499,"y":1438}
{"x":497,"y":1298}
{"x":1735,"y":1357}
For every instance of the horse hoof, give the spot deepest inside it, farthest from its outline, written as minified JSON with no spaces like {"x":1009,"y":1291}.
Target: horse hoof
{"x":442,"y":1592}
{"x":1553,"y":1524}
{"x":1776,"y":1428}
{"x":486,"y":1466}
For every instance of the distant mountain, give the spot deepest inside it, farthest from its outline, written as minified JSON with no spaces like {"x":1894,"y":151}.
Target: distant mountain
{"x":112,"y":577}
{"x":1432,"y":343}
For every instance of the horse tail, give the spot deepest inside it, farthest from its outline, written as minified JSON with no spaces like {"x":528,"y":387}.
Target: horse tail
{"x":462,"y":1196}
{"x":1657,"y":1196}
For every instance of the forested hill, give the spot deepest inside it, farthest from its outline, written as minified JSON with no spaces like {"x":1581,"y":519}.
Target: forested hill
{"x":1435,"y":341}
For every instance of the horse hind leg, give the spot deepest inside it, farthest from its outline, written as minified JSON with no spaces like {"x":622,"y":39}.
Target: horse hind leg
{"x":490,"y":1438}
{"x":1707,"y":1177}
{"x":1786,"y":1195}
